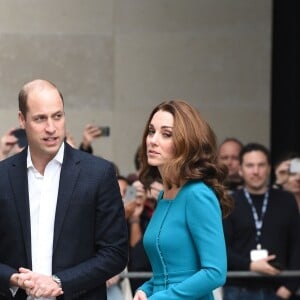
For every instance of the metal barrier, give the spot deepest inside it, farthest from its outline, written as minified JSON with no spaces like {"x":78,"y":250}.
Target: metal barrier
{"x":230,"y":274}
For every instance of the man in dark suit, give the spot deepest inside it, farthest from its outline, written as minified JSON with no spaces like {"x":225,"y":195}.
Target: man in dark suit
{"x":62,"y":226}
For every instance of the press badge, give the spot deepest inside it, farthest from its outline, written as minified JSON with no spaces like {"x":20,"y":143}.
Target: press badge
{"x":258,"y":253}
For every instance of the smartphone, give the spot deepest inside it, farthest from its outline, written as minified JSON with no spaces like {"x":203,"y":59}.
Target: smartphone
{"x":20,"y":134}
{"x":105,"y":130}
{"x":130,"y":194}
{"x":295,"y":166}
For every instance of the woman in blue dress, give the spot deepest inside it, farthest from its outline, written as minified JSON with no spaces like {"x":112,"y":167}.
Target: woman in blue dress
{"x":184,"y":239}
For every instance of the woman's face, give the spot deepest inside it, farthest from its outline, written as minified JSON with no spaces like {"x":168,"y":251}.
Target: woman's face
{"x":159,"y":142}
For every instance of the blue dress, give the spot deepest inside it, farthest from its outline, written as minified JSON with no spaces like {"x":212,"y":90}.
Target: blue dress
{"x":185,"y":244}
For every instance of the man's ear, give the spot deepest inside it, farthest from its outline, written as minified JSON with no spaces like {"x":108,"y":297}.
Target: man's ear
{"x":21,"y":119}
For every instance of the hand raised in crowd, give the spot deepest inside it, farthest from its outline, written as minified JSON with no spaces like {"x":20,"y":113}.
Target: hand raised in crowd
{"x":129,"y":209}
{"x":90,"y":133}
{"x":135,"y":218}
{"x":7,"y":143}
{"x":140,"y":199}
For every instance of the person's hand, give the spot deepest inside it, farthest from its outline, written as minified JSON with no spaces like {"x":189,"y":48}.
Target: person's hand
{"x":140,"y":199}
{"x":139,"y":207}
{"x":90,"y":133}
{"x":7,"y":143}
{"x":283,"y":293}
{"x":154,"y":190}
{"x":38,"y":285}
{"x":24,"y":279}
{"x":263,"y":266}
{"x":140,"y":295}
{"x":129,"y":209}
{"x":13,"y":281}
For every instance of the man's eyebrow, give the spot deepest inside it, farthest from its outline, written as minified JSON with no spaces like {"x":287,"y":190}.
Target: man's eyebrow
{"x":58,"y":112}
{"x":45,"y":115}
{"x":39,"y":115}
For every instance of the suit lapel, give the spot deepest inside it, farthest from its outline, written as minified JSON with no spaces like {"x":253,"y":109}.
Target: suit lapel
{"x":18,"y":178}
{"x":68,"y":178}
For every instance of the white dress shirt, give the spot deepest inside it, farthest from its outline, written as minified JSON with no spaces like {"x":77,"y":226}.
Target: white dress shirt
{"x":43,"y":191}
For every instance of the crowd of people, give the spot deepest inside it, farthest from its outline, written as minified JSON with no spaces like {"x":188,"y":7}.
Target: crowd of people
{"x":193,"y":210}
{"x":262,"y":232}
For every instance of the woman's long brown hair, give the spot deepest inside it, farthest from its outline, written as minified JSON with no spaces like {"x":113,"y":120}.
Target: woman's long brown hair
{"x":195,"y":156}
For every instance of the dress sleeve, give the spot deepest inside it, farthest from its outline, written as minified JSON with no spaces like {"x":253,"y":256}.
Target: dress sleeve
{"x":147,"y":287}
{"x":204,"y":223}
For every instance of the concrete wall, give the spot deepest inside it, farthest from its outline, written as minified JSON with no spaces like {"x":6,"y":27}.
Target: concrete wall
{"x":115,"y":60}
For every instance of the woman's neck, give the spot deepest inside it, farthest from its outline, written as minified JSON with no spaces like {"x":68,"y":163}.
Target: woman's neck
{"x":170,"y":193}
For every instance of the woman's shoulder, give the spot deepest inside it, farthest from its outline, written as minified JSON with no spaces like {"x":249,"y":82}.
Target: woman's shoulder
{"x":197,"y":195}
{"x":197,"y":191}
{"x":197,"y":186}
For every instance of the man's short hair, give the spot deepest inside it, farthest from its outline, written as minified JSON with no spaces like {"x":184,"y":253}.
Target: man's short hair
{"x":255,"y":147}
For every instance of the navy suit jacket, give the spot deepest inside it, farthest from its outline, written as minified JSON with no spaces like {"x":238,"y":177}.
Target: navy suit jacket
{"x":90,"y":237}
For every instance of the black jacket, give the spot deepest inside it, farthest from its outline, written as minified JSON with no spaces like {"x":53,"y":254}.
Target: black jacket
{"x":280,"y":235}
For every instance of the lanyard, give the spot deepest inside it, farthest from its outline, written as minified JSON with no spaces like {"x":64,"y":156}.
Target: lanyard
{"x":258,"y":222}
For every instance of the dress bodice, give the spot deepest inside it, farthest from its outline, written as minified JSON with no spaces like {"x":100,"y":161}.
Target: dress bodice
{"x":185,"y":244}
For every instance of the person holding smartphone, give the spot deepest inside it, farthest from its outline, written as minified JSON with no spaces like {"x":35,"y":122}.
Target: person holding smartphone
{"x":144,"y":206}
{"x":90,"y":133}
{"x":287,"y":174}
{"x":287,"y":177}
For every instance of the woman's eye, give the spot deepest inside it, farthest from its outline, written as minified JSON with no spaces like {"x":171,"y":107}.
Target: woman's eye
{"x":151,"y":131}
{"x":167,"y":134}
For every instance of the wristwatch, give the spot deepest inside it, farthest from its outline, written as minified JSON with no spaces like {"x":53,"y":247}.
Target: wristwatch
{"x":57,"y":280}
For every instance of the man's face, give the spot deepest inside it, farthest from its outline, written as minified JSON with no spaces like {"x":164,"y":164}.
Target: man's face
{"x":255,"y":170}
{"x":229,"y":156}
{"x":44,"y":122}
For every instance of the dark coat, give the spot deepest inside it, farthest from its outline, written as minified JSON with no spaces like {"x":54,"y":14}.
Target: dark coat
{"x":90,"y":237}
